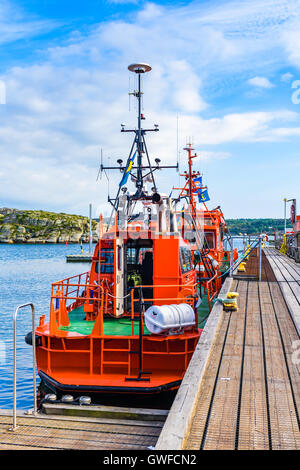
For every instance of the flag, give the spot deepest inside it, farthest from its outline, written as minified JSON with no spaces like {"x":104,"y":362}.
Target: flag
{"x":127,"y":170}
{"x":198,"y":184}
{"x":203,"y":196}
{"x":198,"y":181}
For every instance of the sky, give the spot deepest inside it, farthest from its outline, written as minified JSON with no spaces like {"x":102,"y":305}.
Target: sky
{"x":225,"y":76}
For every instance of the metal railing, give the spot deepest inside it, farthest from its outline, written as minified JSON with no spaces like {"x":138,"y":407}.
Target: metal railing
{"x":212,"y":290}
{"x":188,"y":291}
{"x":15,"y":363}
{"x":253,"y":243}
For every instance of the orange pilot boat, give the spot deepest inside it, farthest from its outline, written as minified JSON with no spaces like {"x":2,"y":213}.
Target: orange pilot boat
{"x":130,"y":324}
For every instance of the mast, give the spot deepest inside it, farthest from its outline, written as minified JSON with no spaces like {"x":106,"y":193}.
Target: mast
{"x":140,"y":69}
{"x":190,"y":174}
{"x":138,"y":150}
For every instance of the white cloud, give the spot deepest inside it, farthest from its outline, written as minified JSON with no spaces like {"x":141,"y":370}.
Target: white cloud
{"x":261,"y":82}
{"x":15,"y":24}
{"x":286,"y":77}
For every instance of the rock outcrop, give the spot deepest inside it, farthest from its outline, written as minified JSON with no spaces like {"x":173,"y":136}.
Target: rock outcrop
{"x":28,"y":226}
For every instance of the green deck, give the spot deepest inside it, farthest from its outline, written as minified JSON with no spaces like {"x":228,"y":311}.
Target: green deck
{"x":119,"y":326}
{"x":112,"y":326}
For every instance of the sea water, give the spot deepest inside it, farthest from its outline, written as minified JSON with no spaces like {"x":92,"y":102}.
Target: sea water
{"x":26,"y":274}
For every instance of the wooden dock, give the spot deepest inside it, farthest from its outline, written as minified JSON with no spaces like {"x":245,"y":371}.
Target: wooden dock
{"x":48,"y":432}
{"x":247,"y":395}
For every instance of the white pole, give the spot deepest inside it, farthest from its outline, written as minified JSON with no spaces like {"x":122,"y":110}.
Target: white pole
{"x":285,"y":199}
{"x":231,"y":257}
{"x":90,"y":234}
{"x":259,"y":261}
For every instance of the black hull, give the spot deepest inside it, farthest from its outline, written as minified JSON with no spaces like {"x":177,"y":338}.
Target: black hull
{"x":152,"y":397}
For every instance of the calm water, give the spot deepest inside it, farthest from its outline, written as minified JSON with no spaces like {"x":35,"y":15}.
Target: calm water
{"x":26,"y":274}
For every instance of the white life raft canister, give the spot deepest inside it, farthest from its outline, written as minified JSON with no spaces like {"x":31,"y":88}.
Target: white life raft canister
{"x":169,"y":318}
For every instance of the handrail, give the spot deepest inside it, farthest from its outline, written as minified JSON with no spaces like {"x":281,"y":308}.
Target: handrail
{"x":208,"y":287}
{"x":71,"y":277}
{"x":190,"y":286}
{"x":15,"y":363}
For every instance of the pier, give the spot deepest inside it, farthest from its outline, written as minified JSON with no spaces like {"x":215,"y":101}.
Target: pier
{"x":242,"y":387}
{"x":63,"y":428}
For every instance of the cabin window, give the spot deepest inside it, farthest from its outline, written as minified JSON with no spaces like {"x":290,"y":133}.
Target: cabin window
{"x":138,"y":268}
{"x":186,"y":259}
{"x":209,"y":240}
{"x":208,"y":221}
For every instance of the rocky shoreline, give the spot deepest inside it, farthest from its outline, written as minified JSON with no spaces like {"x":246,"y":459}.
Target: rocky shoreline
{"x":34,"y":226}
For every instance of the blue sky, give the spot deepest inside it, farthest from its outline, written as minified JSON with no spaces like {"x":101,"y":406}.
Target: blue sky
{"x":227,"y":70}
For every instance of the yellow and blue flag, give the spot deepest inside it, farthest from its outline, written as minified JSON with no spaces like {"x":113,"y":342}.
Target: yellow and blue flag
{"x":203,"y":196}
{"x":127,"y":170}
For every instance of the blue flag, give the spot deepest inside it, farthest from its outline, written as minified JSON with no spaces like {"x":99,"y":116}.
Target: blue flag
{"x":203,"y":196}
{"x":198,"y":184}
{"x":127,"y":170}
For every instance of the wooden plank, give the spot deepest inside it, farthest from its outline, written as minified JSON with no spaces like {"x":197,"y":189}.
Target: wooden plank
{"x":59,"y":434}
{"x":80,"y":426}
{"x":279,"y":372}
{"x":283,"y":419}
{"x":283,"y":269}
{"x":293,"y":306}
{"x":221,"y":430}
{"x":295,"y":288}
{"x":278,"y":274}
{"x":253,"y":426}
{"x":290,"y":338}
{"x":292,"y":262}
{"x":295,"y":273}
{"x":196,"y":430}
{"x":68,"y":436}
{"x":106,"y":412}
{"x":78,"y":419}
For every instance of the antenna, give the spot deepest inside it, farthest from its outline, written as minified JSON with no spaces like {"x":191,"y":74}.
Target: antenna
{"x":100,"y":168}
{"x":139,"y":69}
{"x":138,"y":148}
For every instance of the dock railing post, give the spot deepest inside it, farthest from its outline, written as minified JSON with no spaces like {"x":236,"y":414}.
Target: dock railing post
{"x":15,"y":363}
{"x":259,"y":259}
